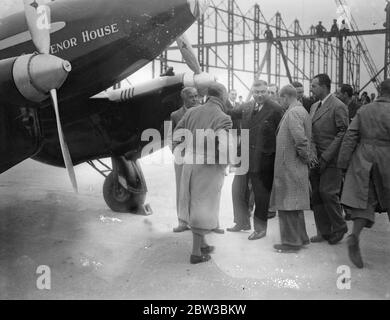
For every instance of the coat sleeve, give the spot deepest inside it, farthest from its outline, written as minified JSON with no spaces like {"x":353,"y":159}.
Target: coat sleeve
{"x":177,"y":136}
{"x":297,"y":131}
{"x":341,"y":121}
{"x":351,"y":139}
{"x":278,"y":115}
{"x":224,"y":140}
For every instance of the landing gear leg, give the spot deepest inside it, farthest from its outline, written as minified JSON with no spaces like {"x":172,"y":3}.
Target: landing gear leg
{"x":124,"y":188}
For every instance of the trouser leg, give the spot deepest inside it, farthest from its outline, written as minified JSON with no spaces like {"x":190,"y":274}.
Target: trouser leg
{"x":262,"y":199}
{"x":323,"y":224}
{"x":178,"y":170}
{"x":240,"y":195}
{"x":302,"y":228}
{"x":197,"y":240}
{"x":291,"y":228}
{"x":365,"y":218}
{"x":330,"y":184}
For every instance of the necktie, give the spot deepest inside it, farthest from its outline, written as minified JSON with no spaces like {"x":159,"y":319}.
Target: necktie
{"x":319,"y":107}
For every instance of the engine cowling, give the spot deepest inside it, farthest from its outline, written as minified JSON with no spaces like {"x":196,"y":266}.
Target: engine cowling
{"x":30,"y":77}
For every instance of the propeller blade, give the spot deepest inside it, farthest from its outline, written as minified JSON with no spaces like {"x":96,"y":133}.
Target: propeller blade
{"x":64,"y":146}
{"x":38,"y":21}
{"x":188,"y":54}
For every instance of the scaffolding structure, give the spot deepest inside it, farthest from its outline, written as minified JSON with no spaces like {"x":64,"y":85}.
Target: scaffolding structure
{"x":238,"y":43}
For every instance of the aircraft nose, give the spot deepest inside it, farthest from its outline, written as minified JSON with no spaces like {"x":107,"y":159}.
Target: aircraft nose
{"x":198,"y":7}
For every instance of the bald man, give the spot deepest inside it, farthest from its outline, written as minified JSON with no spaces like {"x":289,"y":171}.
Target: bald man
{"x":290,"y":193}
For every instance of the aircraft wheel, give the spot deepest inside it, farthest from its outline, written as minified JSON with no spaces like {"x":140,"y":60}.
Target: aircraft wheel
{"x":119,"y":199}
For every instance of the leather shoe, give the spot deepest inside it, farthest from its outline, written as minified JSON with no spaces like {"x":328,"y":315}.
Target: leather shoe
{"x":256,"y":235}
{"x":219,"y":231}
{"x":285,"y":248}
{"x":319,"y":238}
{"x":316,"y":239}
{"x":199,"y":259}
{"x":238,"y":228}
{"x":336,"y":237}
{"x":207,"y":250}
{"x":181,"y":228}
{"x":354,"y":251}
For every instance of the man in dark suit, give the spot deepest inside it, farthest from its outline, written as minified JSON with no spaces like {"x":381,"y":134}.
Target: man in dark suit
{"x":330,"y":122}
{"x":345,"y":94}
{"x":261,"y":117}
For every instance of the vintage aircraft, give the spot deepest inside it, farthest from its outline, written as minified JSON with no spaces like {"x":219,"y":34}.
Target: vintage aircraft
{"x":80,"y":48}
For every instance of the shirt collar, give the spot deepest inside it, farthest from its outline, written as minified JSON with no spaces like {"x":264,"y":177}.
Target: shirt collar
{"x":326,"y":98}
{"x":217,"y":101}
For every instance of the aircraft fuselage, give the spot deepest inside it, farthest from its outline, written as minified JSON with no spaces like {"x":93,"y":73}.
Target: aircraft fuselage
{"x":105,"y":41}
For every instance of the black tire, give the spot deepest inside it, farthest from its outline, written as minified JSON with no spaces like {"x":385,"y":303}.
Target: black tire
{"x":118,"y":199}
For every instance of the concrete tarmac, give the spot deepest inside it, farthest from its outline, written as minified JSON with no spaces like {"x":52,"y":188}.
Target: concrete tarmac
{"x":94,"y":253}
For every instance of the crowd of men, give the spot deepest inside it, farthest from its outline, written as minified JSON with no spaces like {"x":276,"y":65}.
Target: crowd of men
{"x":327,"y":153}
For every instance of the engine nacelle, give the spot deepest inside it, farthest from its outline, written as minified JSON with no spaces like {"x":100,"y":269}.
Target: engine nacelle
{"x":31,"y":77}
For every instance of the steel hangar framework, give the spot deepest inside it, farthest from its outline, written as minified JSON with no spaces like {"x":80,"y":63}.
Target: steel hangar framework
{"x":238,"y":43}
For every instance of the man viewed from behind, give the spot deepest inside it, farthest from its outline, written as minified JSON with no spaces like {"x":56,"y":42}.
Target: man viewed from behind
{"x":190,"y":99}
{"x":201,"y":183}
{"x":329,"y":124}
{"x":290,"y":193}
{"x":365,"y":152}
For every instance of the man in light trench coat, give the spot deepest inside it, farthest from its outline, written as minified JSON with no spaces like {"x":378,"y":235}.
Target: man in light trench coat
{"x":365,"y":151}
{"x":290,"y":192}
{"x":204,"y":168}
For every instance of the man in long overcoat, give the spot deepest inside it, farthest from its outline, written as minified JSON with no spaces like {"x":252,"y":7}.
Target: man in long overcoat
{"x":290,"y":193}
{"x":365,"y":151}
{"x":203,"y":171}
{"x":261,"y":117}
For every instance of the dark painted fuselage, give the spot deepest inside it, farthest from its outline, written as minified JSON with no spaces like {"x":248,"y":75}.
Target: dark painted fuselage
{"x":105,"y":41}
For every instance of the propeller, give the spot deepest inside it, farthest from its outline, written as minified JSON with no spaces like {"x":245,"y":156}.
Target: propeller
{"x":188,"y":54}
{"x":38,"y":21}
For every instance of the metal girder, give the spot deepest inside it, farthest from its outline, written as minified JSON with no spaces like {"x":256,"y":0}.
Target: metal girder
{"x":349,"y":68}
{"x":326,"y":57}
{"x":387,"y":43}
{"x":312,"y":53}
{"x":296,"y":50}
{"x":278,"y":25}
{"x":256,"y":52}
{"x":341,"y":61}
{"x":292,"y":38}
{"x":358,"y":57}
{"x":337,"y":64}
{"x":230,"y":46}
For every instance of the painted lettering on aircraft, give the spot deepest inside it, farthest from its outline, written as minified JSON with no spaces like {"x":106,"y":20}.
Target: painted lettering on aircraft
{"x":64,"y":45}
{"x":85,"y":37}
{"x":90,"y":35}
